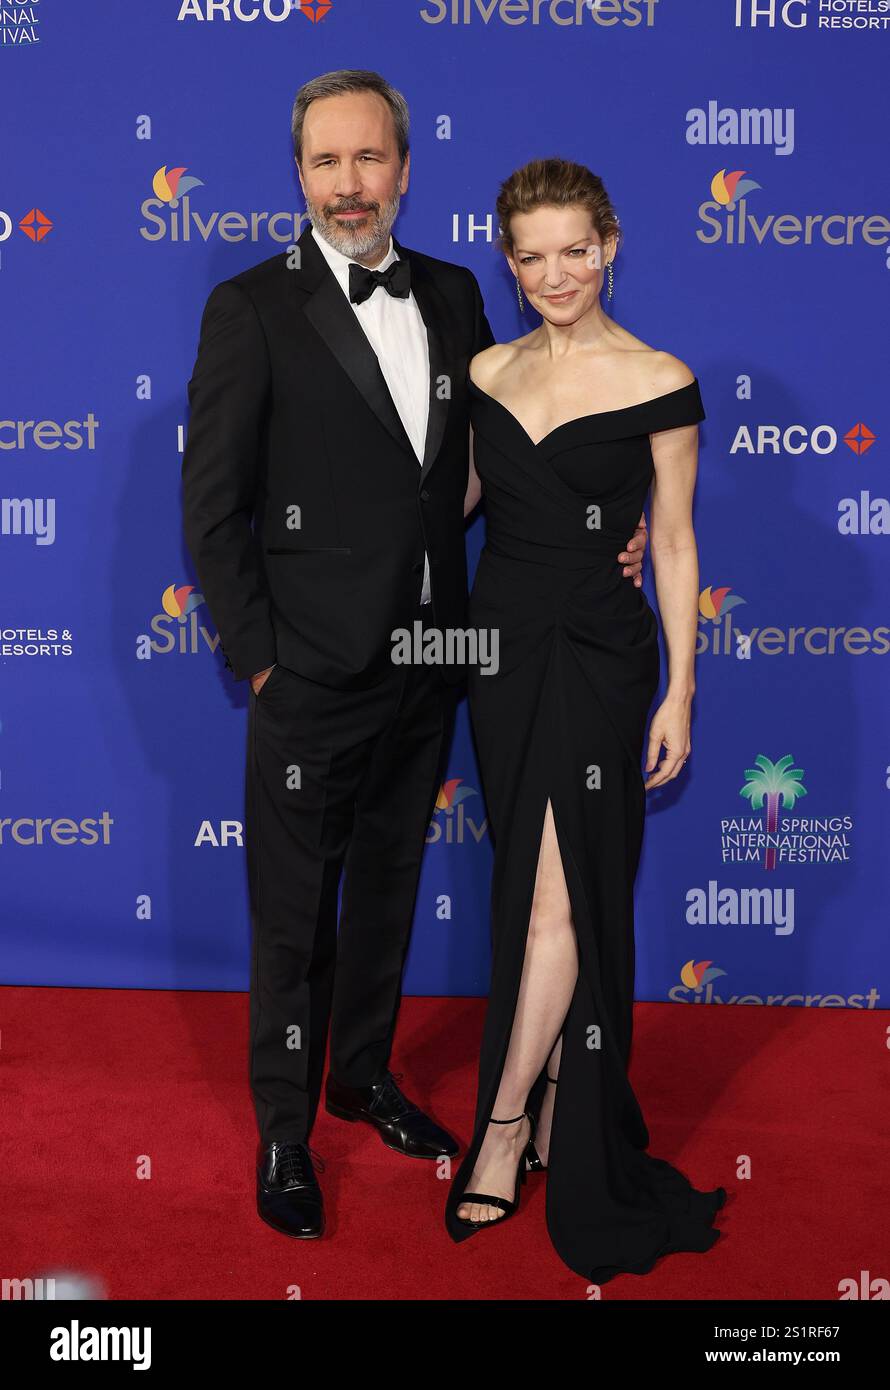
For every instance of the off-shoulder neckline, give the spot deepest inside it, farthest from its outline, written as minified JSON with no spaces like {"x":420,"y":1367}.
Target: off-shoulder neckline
{"x":594,"y":415}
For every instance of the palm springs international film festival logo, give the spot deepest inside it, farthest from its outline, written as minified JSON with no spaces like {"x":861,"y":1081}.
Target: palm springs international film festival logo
{"x":171,"y":217}
{"x":19,"y":24}
{"x":727,"y":221}
{"x":451,"y":823}
{"x":771,"y":838}
{"x":697,"y":987}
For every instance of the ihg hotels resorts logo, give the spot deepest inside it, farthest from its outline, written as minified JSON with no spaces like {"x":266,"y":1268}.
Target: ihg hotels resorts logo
{"x":872,"y":16}
{"x":451,"y":824}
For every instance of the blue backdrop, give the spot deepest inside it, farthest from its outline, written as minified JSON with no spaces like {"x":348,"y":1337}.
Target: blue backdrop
{"x":744,"y":146}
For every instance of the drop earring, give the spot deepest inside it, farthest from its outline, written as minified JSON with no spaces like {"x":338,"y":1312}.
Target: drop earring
{"x":519,"y":296}
{"x":611,"y":279}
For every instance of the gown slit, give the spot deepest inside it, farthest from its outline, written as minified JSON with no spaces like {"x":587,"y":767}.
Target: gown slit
{"x":524,"y":850}
{"x":562,"y":720}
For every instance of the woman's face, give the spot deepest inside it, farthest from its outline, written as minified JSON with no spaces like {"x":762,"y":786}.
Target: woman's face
{"x":560,"y":261}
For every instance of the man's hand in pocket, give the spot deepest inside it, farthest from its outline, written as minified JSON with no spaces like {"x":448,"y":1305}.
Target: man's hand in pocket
{"x":259,"y":680}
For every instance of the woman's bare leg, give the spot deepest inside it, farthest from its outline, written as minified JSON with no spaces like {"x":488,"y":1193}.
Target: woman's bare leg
{"x":549,"y":975}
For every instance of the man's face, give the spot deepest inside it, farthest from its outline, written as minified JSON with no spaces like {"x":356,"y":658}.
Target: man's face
{"x":350,"y":174}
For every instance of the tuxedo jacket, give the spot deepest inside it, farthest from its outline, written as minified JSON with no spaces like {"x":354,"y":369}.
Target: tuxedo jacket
{"x":291,"y":420}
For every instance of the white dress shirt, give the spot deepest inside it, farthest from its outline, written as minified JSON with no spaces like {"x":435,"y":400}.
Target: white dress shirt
{"x":397,"y":333}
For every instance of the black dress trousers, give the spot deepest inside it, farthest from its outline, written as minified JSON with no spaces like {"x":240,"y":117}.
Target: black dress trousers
{"x":335,"y":781}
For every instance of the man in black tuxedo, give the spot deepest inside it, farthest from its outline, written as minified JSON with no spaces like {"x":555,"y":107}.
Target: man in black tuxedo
{"x":324,"y":478}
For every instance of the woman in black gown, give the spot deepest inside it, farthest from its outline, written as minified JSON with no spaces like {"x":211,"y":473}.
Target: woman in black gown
{"x":572,"y":423}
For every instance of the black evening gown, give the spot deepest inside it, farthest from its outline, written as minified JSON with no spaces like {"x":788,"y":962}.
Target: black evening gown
{"x":578,"y":671}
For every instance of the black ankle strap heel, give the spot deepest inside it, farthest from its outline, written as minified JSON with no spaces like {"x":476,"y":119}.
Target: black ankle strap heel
{"x":504,"y":1204}
{"x":532,"y":1157}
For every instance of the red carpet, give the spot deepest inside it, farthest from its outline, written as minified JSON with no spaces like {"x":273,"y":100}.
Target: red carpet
{"x":95,"y":1081}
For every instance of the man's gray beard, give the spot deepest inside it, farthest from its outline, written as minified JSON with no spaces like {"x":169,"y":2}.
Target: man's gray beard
{"x":361,"y":241}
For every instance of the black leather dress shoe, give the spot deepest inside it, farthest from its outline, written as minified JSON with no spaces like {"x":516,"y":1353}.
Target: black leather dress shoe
{"x":399,"y":1122}
{"x":288,"y":1196}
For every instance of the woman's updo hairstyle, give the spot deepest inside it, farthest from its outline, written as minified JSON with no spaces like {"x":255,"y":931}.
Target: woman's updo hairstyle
{"x":554,"y":183}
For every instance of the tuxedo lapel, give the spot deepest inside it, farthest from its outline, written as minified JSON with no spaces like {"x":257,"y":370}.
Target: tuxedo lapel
{"x":326,"y":307}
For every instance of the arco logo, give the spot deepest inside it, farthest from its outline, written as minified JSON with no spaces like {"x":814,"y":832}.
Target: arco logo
{"x":314,"y":10}
{"x":249,"y":11}
{"x":35,"y":225}
{"x":860,"y":438}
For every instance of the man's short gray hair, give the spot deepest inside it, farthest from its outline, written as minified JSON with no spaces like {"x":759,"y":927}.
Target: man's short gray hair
{"x":332,"y":84}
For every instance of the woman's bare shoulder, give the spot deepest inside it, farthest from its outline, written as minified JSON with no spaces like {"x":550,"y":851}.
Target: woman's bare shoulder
{"x":666,"y":372}
{"x":484,"y":363}
{"x":656,"y":372}
{"x":488,"y":364}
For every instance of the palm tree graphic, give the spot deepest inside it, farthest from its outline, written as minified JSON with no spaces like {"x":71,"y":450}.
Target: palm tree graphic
{"x":769,"y":781}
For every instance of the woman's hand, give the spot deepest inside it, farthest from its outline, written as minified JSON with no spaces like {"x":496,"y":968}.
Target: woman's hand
{"x":670,"y":726}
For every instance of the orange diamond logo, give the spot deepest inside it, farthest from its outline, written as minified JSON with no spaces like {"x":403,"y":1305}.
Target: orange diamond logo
{"x":859,"y":438}
{"x":314,"y":9}
{"x":36,"y":224}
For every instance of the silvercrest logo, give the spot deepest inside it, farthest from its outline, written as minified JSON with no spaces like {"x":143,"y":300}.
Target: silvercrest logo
{"x":560,"y":13}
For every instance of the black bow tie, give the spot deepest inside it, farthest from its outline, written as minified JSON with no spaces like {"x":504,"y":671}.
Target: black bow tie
{"x":395,"y":279}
